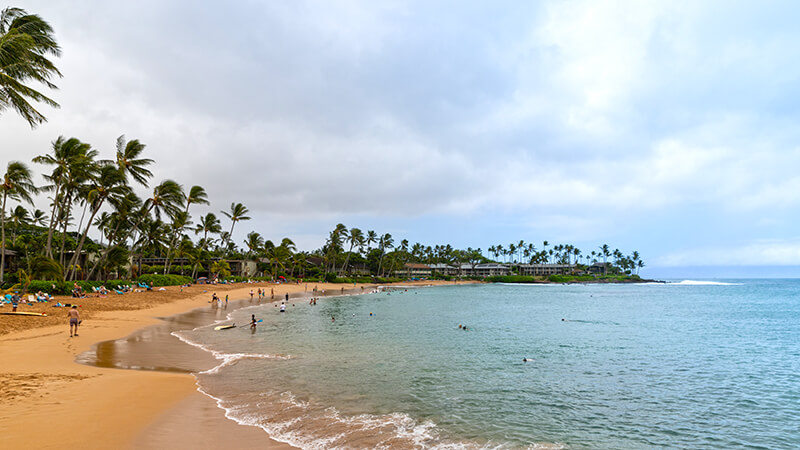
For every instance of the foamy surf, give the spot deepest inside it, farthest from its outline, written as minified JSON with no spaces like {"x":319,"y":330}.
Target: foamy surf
{"x":703,"y":283}
{"x":301,"y":424}
{"x":227,"y":358}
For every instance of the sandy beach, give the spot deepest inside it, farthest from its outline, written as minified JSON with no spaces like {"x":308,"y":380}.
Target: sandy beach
{"x":51,"y":401}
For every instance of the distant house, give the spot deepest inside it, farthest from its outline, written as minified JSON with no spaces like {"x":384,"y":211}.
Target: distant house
{"x":412,"y":270}
{"x":546,"y":269}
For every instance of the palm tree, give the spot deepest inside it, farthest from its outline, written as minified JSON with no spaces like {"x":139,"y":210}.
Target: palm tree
{"x":26,"y":41}
{"x":238,"y":213}
{"x":208,"y":224}
{"x":254,"y":242}
{"x":38,"y":217}
{"x":385,"y":242}
{"x":120,"y":223}
{"x":109,"y":182}
{"x":370,"y":239}
{"x":197,"y":195}
{"x":605,"y":252}
{"x":355,"y":238}
{"x":19,"y":216}
{"x":72,"y":160}
{"x":129,"y":162}
{"x":167,"y":198}
{"x":17,"y":185}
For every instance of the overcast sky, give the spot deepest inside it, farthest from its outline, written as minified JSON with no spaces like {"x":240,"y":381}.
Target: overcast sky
{"x":670,"y":127}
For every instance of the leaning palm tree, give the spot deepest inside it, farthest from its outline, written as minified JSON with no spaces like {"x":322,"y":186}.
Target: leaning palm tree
{"x":109,"y":183}
{"x":26,"y":41}
{"x":72,"y":160}
{"x":238,"y":213}
{"x":355,"y":237}
{"x":197,"y":195}
{"x":208,"y":224}
{"x":129,"y":160}
{"x":17,"y":185}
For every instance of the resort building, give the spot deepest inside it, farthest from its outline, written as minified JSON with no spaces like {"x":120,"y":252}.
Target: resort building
{"x":443,"y":269}
{"x":546,"y":269}
{"x":485,"y":270}
{"x":411,"y":270}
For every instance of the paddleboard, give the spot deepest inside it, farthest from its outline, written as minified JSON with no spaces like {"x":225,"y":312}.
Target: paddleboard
{"x":225,"y":327}
{"x":23,"y":313}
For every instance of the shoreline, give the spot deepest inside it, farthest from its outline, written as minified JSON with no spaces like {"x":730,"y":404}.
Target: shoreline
{"x":79,"y":404}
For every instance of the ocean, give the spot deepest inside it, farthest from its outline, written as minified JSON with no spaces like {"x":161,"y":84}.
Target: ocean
{"x":686,"y":364}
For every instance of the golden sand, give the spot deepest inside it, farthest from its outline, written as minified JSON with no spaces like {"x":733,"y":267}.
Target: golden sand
{"x":49,"y":401}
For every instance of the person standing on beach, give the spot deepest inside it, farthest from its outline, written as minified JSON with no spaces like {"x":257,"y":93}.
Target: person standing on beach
{"x":74,"y":320}
{"x":253,"y":322}
{"x":287,"y":296}
{"x":251,"y":295}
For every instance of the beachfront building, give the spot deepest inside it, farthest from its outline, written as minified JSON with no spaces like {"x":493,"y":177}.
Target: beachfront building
{"x":412,"y":270}
{"x":546,"y":269}
{"x":444,"y":269}
{"x":485,"y":270}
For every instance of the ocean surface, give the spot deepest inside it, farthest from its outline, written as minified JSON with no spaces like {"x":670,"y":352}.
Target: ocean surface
{"x":687,"y":364}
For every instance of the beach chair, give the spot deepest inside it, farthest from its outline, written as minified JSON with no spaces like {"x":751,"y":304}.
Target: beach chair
{"x":32,"y":298}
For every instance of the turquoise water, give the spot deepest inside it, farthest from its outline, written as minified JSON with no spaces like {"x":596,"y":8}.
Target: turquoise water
{"x":682,"y":365}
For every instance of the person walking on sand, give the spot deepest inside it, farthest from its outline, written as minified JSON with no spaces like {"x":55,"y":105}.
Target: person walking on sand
{"x":74,"y":320}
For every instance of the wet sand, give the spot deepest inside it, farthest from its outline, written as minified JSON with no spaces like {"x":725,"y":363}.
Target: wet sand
{"x":101,"y":406}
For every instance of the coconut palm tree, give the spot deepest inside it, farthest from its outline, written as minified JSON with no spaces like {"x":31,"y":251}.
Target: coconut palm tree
{"x":129,"y":160}
{"x":605,"y":252}
{"x":254,"y":242}
{"x":355,"y":238}
{"x":38,"y":217}
{"x":371,"y":238}
{"x":179,"y":222}
{"x":208,"y":224}
{"x":109,"y":183}
{"x":19,"y":216}
{"x":121,"y":222}
{"x":197,"y":195}
{"x":238,"y":213}
{"x":26,"y":41}
{"x":17,"y":185}
{"x":386,"y":241}
{"x":73,"y":161}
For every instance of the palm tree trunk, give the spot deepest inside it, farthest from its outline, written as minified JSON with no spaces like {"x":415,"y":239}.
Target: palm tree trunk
{"x":52,"y":227}
{"x":74,"y":260}
{"x":3,"y":238}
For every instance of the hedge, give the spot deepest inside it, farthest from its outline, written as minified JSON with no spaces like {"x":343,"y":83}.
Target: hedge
{"x":164,"y":280}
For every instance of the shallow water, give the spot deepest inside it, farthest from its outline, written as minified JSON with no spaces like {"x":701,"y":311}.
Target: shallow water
{"x":632,"y":366}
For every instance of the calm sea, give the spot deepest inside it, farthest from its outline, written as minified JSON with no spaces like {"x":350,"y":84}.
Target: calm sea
{"x":683,"y":365}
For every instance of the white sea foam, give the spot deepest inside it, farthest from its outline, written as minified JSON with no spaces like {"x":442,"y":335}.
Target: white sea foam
{"x":227,"y":358}
{"x":703,"y":283}
{"x":387,"y":428}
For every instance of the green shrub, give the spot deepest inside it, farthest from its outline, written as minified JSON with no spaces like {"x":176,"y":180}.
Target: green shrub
{"x":164,"y":280}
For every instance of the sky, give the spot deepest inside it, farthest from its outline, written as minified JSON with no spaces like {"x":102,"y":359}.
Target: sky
{"x":665,"y":127}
